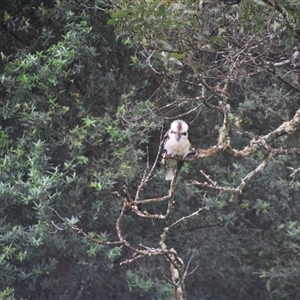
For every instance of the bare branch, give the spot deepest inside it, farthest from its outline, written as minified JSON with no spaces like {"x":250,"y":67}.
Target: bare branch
{"x":285,"y":128}
{"x":239,"y":189}
{"x":79,"y":230}
{"x":295,"y":171}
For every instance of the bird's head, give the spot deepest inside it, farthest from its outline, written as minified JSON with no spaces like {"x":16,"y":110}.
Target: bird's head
{"x":179,"y":129}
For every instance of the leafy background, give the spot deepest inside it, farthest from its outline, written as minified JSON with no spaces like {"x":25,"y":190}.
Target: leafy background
{"x":87,"y":87}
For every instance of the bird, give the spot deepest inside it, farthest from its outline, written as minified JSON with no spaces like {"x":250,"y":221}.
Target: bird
{"x":176,"y":143}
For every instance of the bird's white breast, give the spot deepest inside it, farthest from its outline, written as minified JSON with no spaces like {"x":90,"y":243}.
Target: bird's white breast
{"x":175,"y":147}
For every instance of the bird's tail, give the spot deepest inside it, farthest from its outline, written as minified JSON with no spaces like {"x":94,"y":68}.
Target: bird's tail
{"x":170,"y":168}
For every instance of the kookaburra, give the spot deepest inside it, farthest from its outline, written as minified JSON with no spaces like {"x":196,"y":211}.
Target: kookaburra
{"x":176,"y":144}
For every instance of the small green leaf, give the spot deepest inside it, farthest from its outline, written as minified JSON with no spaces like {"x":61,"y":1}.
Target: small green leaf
{"x":165,"y":45}
{"x":96,"y":185}
{"x":112,"y":22}
{"x":121,"y":14}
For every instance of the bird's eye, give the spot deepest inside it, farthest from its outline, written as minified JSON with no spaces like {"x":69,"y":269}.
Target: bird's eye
{"x":172,"y":131}
{"x":184,"y":133}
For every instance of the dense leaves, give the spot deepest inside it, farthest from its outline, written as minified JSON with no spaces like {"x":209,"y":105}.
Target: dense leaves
{"x":88,"y":89}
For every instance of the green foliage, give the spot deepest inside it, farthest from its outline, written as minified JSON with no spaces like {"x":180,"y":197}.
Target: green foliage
{"x":84,"y":94}
{"x":146,"y":285}
{"x":7,"y":294}
{"x":134,"y":281}
{"x":65,"y":146}
{"x":244,"y":248}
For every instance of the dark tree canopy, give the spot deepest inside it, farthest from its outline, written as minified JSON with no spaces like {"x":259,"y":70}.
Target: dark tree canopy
{"x":88,"y":89}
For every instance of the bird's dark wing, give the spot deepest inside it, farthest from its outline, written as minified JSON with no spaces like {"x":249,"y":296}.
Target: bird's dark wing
{"x":166,"y":138}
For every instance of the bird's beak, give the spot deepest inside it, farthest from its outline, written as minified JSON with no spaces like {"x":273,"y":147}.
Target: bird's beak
{"x":177,"y":136}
